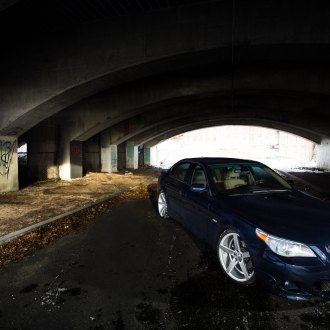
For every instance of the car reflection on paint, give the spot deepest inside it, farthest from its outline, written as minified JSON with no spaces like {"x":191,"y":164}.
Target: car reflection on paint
{"x":260,"y":226}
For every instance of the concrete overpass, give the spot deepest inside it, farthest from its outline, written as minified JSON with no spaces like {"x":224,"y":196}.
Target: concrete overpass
{"x":84,"y":83}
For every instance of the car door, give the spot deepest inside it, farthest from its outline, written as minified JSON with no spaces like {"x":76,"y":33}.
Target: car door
{"x":216,"y":223}
{"x":177,"y":187}
{"x":197,"y":200}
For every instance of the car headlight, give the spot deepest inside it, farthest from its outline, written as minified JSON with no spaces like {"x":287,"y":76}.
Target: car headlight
{"x":284,"y":247}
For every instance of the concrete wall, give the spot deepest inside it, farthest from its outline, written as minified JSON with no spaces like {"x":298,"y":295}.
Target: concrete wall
{"x":8,"y":164}
{"x":323,"y":154}
{"x":274,"y":148}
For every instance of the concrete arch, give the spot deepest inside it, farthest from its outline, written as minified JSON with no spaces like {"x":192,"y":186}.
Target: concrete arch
{"x":221,"y":106}
{"x":280,"y":107}
{"x":77,"y":63}
{"x":150,"y":137}
{"x":151,"y":72}
{"x":134,"y":100}
{"x":150,"y":142}
{"x":183,"y":118}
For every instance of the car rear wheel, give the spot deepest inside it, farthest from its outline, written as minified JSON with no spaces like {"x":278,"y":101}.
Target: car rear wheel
{"x":162,"y":205}
{"x":235,"y":258}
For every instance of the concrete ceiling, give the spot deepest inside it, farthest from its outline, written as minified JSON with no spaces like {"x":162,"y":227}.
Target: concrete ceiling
{"x":7,"y":3}
{"x":168,"y":66}
{"x":54,"y":14}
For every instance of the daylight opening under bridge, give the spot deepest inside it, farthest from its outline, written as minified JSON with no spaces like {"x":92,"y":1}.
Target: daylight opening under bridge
{"x":273,"y":147}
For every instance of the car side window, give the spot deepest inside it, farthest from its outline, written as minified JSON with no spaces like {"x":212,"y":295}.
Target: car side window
{"x":180,"y":172}
{"x":199,"y":177}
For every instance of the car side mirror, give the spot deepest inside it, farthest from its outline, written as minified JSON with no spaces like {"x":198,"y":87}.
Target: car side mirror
{"x":198,"y":187}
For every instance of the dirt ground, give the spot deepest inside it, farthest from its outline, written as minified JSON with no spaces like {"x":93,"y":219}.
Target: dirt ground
{"x":47,"y":199}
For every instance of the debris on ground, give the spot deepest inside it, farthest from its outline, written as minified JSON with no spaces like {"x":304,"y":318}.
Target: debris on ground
{"x":26,"y":244}
{"x":46,"y":199}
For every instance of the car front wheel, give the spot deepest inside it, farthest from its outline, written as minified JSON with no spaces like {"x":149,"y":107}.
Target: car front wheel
{"x":162,"y":205}
{"x":235,"y":258}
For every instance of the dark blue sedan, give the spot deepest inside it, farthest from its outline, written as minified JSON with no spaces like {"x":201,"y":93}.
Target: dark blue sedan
{"x":260,"y":226}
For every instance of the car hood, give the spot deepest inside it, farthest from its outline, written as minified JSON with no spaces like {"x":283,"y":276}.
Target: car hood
{"x":291,"y":215}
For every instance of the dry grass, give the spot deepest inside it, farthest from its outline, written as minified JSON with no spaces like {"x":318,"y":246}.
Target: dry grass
{"x":47,"y":199}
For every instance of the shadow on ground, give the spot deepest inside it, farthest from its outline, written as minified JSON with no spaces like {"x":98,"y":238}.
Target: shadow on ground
{"x":210,"y":300}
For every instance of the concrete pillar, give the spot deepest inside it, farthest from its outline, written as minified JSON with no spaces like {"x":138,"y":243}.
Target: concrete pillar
{"x":76,"y":159}
{"x":92,"y":155}
{"x":42,"y":152}
{"x":105,"y":159}
{"x":109,"y":153}
{"x":147,"y":156}
{"x":114,"y":158}
{"x":132,"y":156}
{"x":121,"y":156}
{"x":323,"y":154}
{"x":8,"y":164}
{"x":109,"y":157}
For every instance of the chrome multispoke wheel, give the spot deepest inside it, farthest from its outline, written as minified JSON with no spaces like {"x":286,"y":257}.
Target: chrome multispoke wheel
{"x":162,"y":205}
{"x":235,"y":258}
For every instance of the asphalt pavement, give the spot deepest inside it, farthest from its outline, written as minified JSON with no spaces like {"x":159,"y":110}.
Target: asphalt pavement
{"x":129,"y":269}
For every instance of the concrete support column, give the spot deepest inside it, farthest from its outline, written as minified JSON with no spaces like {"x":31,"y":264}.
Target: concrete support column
{"x":132,"y":156}
{"x":105,"y":159}
{"x":121,"y":156}
{"x":147,"y":156}
{"x":109,"y":158}
{"x":92,"y":155}
{"x":8,"y":164}
{"x":323,"y":154}
{"x":42,"y":155}
{"x":114,"y":158}
{"x":76,"y":159}
{"x":109,"y":153}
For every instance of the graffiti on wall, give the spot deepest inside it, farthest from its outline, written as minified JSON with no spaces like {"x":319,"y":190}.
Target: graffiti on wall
{"x":7,"y":149}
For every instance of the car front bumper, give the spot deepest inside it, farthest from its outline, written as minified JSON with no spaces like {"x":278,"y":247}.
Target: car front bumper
{"x":299,"y":279}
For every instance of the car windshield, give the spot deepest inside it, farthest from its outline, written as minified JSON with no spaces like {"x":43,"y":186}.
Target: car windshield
{"x":238,"y":179}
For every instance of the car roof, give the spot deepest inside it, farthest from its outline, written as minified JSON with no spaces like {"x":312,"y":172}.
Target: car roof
{"x":219,"y":160}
